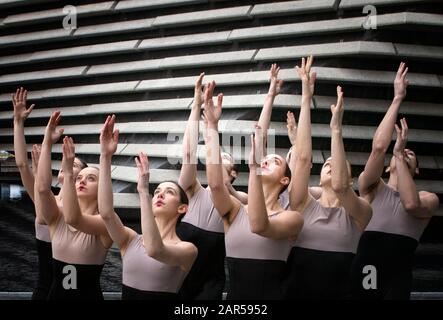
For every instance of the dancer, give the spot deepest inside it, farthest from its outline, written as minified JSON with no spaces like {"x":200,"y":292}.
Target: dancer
{"x":401,"y":213}
{"x":78,"y":234}
{"x":202,"y":224}
{"x":27,"y":174}
{"x":256,"y":235}
{"x":156,"y":262}
{"x":321,"y":258}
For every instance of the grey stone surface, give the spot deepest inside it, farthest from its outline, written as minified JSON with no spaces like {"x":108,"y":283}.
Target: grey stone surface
{"x":128,"y":5}
{"x":372,"y":48}
{"x":360,"y":159}
{"x":185,"y":40}
{"x":282,"y":101}
{"x":90,"y":50}
{"x":32,"y":37}
{"x":72,"y":52}
{"x":241,"y":127}
{"x":374,"y":77}
{"x":381,"y":106}
{"x":347,"y":4}
{"x":42,"y":75}
{"x":439,"y":161}
{"x":175,"y":62}
{"x":115,"y":27}
{"x":340,"y":75}
{"x":292,"y":7}
{"x":17,"y":3}
{"x":126,"y":200}
{"x":106,"y":108}
{"x":298,"y":29}
{"x":221,"y":79}
{"x":15,"y":59}
{"x":219,"y":58}
{"x":411,"y":18}
{"x":417,"y":51}
{"x":96,"y":89}
{"x":48,"y":15}
{"x":140,"y":106}
{"x":125,"y":67}
{"x":205,"y":16}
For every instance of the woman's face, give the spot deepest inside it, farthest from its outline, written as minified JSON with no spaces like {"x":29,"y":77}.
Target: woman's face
{"x":326,"y":172}
{"x":78,"y":166}
{"x":86,"y":183}
{"x":166,"y":200}
{"x":273,"y":165}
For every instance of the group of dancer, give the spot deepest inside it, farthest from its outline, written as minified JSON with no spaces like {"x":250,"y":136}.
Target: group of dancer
{"x":283,"y":239}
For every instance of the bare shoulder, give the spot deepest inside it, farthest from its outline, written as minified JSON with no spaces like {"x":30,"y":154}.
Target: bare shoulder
{"x":431,"y":198}
{"x":188,"y":247}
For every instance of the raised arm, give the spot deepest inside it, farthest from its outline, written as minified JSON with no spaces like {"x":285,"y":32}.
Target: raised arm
{"x":291,"y":125}
{"x":21,"y":113}
{"x":223,"y":201}
{"x":288,"y":223}
{"x":373,"y":171}
{"x":188,"y":173}
{"x":239,"y":195}
{"x":121,"y":235}
{"x":419,"y":204}
{"x":300,"y":163}
{"x":182,"y":254}
{"x":274,"y":89}
{"x":45,"y":203}
{"x":341,"y":180}
{"x":84,"y":221}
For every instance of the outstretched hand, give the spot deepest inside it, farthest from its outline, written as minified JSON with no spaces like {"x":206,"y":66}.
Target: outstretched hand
{"x":307,"y":78}
{"x":21,"y":113}
{"x":258,"y":143}
{"x":51,"y":134}
{"x":198,"y":93}
{"x":402,"y":138}
{"x":142,"y":163}
{"x":212,"y":113}
{"x":275,"y":83}
{"x":68,"y":155}
{"x":109,"y":137}
{"x":337,"y":111}
{"x":400,"y":82}
{"x":291,"y":124}
{"x":35,"y":156}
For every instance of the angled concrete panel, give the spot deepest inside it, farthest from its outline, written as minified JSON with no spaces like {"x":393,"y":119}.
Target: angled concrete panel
{"x":348,"y":4}
{"x":130,"y":5}
{"x":417,"y":51}
{"x":328,"y":49}
{"x":115,"y":27}
{"x":381,"y":106}
{"x":42,"y":75}
{"x":52,"y":14}
{"x":31,"y":37}
{"x":292,"y":7}
{"x":298,"y":29}
{"x":185,"y":40}
{"x":203,"y":17}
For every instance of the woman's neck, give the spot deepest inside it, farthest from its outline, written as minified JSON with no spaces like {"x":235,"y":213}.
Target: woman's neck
{"x":166,"y":227}
{"x":271,"y":192}
{"x":88,"y":207}
{"x":328,"y":198}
